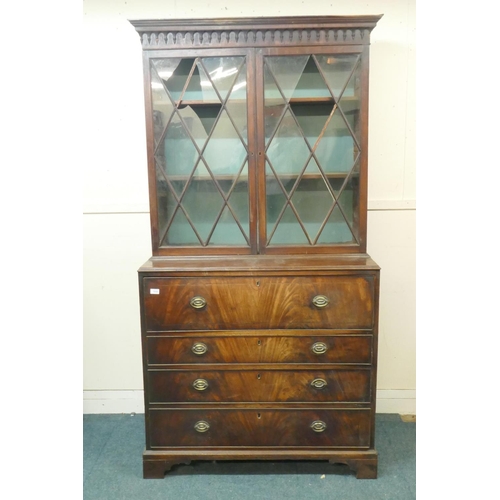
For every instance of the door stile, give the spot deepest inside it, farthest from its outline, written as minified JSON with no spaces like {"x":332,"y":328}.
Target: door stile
{"x":253,"y":167}
{"x":260,"y":152}
{"x":150,"y":147}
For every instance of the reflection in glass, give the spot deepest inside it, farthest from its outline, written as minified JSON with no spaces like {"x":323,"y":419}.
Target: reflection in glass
{"x":222,"y":72}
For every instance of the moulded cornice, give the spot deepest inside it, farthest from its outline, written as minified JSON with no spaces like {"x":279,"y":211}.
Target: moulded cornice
{"x":238,"y":32}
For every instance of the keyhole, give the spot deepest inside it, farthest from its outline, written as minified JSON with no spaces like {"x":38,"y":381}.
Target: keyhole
{"x":259,"y":342}
{"x":258,"y":376}
{"x":258,"y":415}
{"x":258,"y":283}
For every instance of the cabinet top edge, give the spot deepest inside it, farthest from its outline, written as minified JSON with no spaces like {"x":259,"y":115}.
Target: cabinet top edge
{"x":254,"y":31}
{"x":260,"y":263}
{"x":311,"y":22}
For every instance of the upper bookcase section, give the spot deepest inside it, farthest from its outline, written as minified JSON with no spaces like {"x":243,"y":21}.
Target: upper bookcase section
{"x":255,"y":32}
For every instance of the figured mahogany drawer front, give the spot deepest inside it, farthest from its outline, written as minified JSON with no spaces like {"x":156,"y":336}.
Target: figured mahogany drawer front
{"x":255,"y":427}
{"x":263,"y":303}
{"x":260,"y":349}
{"x":234,"y":386}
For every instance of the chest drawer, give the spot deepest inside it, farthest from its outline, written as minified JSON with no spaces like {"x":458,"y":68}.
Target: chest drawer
{"x":263,"y":303}
{"x":264,"y":348}
{"x":236,"y":386}
{"x":254,"y":427}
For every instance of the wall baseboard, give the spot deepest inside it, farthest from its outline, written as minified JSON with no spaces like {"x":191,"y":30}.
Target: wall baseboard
{"x":113,"y":402}
{"x":388,"y":401}
{"x":402,"y":401}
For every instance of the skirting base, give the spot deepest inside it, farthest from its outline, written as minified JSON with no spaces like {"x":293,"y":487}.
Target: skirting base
{"x":157,"y":463}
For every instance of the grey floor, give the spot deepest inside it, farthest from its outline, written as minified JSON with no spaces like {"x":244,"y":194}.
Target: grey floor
{"x":112,"y":469}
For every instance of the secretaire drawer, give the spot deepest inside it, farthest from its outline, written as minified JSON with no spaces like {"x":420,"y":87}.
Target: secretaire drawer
{"x":267,"y":302}
{"x":253,"y":427}
{"x":236,"y":386}
{"x":283,"y":347}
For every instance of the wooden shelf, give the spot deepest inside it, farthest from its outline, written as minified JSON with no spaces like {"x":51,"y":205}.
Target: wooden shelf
{"x":330,"y":175}
{"x":269,"y":100}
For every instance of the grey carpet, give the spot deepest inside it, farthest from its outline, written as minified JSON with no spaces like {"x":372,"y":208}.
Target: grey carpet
{"x":112,"y":469}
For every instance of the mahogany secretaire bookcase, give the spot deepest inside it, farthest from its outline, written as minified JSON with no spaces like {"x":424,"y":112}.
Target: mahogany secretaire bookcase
{"x":259,"y":306}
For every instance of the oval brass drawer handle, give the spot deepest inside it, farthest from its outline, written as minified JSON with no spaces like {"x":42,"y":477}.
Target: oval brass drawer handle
{"x":200,"y":384}
{"x":318,"y":426}
{"x":321,"y":301}
{"x":198,"y":302}
{"x":319,"y":348}
{"x":319,"y":383}
{"x":199,"y":348}
{"x":201,"y":426}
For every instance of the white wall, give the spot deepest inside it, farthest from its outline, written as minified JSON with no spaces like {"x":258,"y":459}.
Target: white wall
{"x":116,"y":219}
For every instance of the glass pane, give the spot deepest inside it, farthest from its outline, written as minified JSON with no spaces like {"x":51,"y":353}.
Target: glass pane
{"x":347,"y":193}
{"x":227,"y":231}
{"x":312,"y":200}
{"x":350,"y":101}
{"x":336,"y":70}
{"x":348,"y":200}
{"x":165,"y":201}
{"x":177,"y":155}
{"x":222,"y":71}
{"x":311,"y":83}
{"x":236,"y":104}
{"x":202,"y":202}
{"x":288,"y":151}
{"x":162,"y":105}
{"x":275,"y":199}
{"x":175,"y":73}
{"x":289,"y":231}
{"x":274,"y":104}
{"x":224,"y":152}
{"x":336,"y":149}
{"x":287,"y":71}
{"x":312,"y":119}
{"x":180,"y":232}
{"x":165,"y":69}
{"x":336,"y":229}
{"x":239,"y":201}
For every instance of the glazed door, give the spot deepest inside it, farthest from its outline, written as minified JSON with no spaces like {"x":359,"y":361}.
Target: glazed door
{"x":203,"y":135}
{"x":312,"y":149}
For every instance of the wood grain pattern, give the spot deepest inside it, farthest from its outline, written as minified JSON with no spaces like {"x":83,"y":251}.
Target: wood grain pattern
{"x":263,"y":348}
{"x":259,"y":303}
{"x":259,"y":386}
{"x":344,"y":428}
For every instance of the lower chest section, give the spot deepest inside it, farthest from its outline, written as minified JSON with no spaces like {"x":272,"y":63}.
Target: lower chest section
{"x":259,"y":361}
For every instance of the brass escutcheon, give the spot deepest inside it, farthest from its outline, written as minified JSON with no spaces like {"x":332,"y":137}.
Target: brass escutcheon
{"x":320,"y":301}
{"x":198,"y":302}
{"x":200,"y":384}
{"x":199,"y":348}
{"x":318,"y":426}
{"x":201,"y":426}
